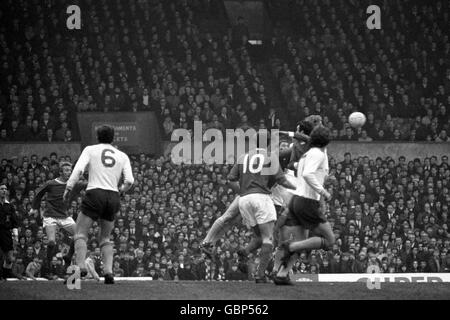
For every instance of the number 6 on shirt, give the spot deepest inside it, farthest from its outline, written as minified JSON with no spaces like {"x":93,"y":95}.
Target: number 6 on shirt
{"x":111,"y":161}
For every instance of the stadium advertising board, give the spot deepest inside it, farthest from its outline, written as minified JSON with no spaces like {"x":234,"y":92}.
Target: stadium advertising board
{"x":134,"y":132}
{"x":381,"y":277}
{"x":125,"y":132}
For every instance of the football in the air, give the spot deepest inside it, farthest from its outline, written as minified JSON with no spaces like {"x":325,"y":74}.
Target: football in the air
{"x":357,"y":119}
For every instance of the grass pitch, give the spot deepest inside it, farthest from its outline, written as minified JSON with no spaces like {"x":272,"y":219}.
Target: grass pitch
{"x":190,"y":290}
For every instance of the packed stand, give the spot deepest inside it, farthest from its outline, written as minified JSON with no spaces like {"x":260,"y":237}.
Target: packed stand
{"x":384,"y":212}
{"x":128,"y":56}
{"x":328,"y":62}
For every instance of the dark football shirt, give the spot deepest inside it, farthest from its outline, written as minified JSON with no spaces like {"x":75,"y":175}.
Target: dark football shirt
{"x":55,"y":206}
{"x":251,"y":176}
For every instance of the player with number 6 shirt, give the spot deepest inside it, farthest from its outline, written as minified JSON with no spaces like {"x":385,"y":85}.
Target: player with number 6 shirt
{"x":106,"y":166}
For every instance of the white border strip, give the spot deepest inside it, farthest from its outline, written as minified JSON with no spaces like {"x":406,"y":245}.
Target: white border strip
{"x":325,"y":277}
{"x":385,"y":277}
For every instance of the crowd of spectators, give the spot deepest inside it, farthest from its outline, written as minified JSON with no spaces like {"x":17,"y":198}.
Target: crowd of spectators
{"x":128,"y":56}
{"x":387,"y":212}
{"x":154,"y":56}
{"x":328,"y":62}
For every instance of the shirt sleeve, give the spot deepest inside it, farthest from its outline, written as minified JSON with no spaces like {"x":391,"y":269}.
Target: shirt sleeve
{"x":38,"y":197}
{"x":312,"y":162}
{"x":82,"y":162}
{"x":128,"y":172}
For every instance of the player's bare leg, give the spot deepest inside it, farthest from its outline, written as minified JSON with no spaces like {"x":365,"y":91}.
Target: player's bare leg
{"x":220,"y":226}
{"x":266,"y":230}
{"x":287,"y":233}
{"x":80,"y":240}
{"x":50,"y":230}
{"x":279,"y":238}
{"x":297,"y":233}
{"x":107,"y":249}
{"x":254,"y":244}
{"x":324,"y":241}
{"x":68,"y":257}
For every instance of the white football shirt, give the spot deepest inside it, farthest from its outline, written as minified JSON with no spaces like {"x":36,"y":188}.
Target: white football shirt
{"x":105,"y":165}
{"x":279,"y":193}
{"x":311,"y":173}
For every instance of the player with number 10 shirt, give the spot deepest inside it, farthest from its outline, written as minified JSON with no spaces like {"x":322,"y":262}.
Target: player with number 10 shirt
{"x":255,"y":203}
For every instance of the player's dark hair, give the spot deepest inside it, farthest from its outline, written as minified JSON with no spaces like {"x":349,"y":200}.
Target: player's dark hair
{"x":305,"y":126}
{"x":105,"y":134}
{"x":320,"y":137}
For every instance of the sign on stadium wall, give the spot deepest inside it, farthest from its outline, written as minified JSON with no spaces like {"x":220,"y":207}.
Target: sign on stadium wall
{"x":381,"y":277}
{"x":134,"y":132}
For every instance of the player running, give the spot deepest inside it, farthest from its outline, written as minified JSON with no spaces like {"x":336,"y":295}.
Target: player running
{"x":55,"y":213}
{"x":305,"y":209}
{"x":8,"y":222}
{"x":106,"y":165}
{"x":255,"y":203}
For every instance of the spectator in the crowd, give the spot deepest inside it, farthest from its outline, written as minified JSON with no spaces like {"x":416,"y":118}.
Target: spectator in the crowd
{"x":370,"y":229}
{"x":33,"y":270}
{"x":235,"y":274}
{"x":56,"y":269}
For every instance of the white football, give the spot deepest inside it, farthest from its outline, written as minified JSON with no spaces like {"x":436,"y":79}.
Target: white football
{"x":357,"y":119}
